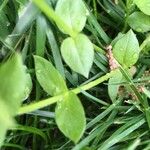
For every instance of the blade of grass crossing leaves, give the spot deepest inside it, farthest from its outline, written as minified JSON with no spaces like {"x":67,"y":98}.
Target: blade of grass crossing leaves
{"x":40,"y":35}
{"x":98,"y":28}
{"x":94,"y":98}
{"x":98,"y":131}
{"x":26,"y":45}
{"x":13,"y":146}
{"x":142,"y":100}
{"x":23,"y":23}
{"x":55,"y":50}
{"x":41,"y":26}
{"x":101,"y":134}
{"x":115,"y":11}
{"x":103,"y":114}
{"x":123,"y":128}
{"x":133,"y":87}
{"x":117,"y":138}
{"x":31,"y":130}
{"x":91,"y":136}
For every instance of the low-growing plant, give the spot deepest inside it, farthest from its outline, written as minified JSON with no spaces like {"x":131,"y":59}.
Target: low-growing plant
{"x":32,"y":67}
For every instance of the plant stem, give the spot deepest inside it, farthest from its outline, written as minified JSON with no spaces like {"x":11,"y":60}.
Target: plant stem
{"x":50,"y":13}
{"x":52,"y":100}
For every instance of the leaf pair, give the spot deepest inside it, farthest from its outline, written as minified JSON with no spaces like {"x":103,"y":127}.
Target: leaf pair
{"x":77,"y":51}
{"x":69,"y":111}
{"x":12,"y":90}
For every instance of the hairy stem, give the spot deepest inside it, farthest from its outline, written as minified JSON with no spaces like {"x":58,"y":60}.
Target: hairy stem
{"x":52,"y":100}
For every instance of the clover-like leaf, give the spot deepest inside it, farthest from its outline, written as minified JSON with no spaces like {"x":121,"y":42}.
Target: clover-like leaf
{"x":73,"y":13}
{"x":126,"y":49}
{"x":70,"y":117}
{"x":78,"y":53}
{"x":49,"y":78}
{"x":141,"y":22}
{"x":143,"y":5}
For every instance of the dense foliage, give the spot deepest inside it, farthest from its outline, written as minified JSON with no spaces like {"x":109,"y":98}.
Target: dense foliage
{"x":74,"y":74}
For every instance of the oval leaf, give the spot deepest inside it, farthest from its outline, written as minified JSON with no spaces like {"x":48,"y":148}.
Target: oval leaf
{"x":48,"y":77}
{"x":113,"y":85}
{"x":78,"y":53}
{"x":143,"y":5}
{"x":73,"y":13}
{"x":141,"y":22}
{"x":126,"y":49}
{"x":70,"y":117}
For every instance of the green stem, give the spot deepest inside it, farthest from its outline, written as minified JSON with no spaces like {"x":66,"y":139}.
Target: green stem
{"x":50,"y":13}
{"x":52,"y":100}
{"x":132,"y":86}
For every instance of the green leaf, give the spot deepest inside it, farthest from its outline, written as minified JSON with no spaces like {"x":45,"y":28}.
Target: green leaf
{"x":143,"y":5}
{"x":113,"y":85}
{"x":12,"y":81}
{"x":78,"y":53}
{"x":70,"y":117}
{"x":73,"y":13}
{"x":119,"y":36}
{"x":48,"y":77}
{"x":6,"y":121}
{"x":126,"y":49}
{"x":141,"y":22}
{"x":28,"y":85}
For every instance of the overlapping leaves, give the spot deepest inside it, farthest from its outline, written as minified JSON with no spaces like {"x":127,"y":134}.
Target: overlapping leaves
{"x":69,"y":111}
